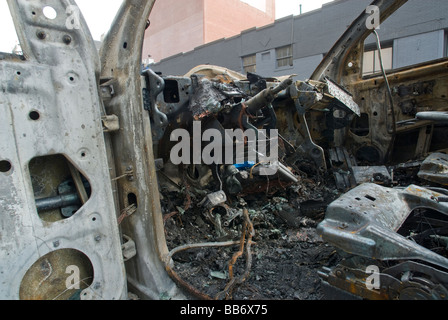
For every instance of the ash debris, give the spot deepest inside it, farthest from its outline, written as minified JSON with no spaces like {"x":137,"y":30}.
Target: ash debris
{"x":285,"y":250}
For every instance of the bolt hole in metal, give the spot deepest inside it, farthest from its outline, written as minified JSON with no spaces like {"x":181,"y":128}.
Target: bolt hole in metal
{"x":41,"y":35}
{"x":67,"y":39}
{"x":72,"y":78}
{"x":49,"y":13}
{"x":5,"y":166}
{"x":132,"y":199}
{"x":95,"y":218}
{"x":34,"y":115}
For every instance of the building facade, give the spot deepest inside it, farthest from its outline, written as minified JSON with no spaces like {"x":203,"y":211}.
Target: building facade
{"x":180,"y":26}
{"x":416,"y":33}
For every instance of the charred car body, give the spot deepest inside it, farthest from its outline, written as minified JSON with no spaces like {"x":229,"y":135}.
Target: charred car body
{"x":87,"y":183}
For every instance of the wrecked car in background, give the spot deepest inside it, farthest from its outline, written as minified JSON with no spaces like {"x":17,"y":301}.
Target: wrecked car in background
{"x":90,"y":193}
{"x":391,"y":224}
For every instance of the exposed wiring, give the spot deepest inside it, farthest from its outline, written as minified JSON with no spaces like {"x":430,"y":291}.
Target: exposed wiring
{"x":248,"y":231}
{"x":201,"y":245}
{"x":389,"y":91}
{"x":219,"y":178}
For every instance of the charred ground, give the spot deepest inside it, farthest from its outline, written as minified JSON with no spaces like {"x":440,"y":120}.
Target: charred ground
{"x":285,"y":254}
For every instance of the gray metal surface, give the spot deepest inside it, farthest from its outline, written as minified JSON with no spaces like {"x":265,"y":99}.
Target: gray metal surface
{"x":50,"y":105}
{"x":365,"y":222}
{"x":132,"y":147}
{"x":435,"y":168}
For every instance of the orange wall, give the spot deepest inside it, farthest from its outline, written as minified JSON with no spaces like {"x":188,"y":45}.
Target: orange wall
{"x":227,"y":18}
{"x":181,"y":25}
{"x":176,"y":26}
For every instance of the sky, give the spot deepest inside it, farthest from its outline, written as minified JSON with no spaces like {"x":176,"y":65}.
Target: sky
{"x":100,"y":23}
{"x":287,"y":7}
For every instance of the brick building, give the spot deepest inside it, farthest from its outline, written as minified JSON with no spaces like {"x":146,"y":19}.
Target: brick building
{"x":180,"y":26}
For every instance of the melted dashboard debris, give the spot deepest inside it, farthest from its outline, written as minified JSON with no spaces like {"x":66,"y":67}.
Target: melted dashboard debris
{"x":235,"y":233}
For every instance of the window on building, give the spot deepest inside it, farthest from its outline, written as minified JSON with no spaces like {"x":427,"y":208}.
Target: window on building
{"x":371,"y":61}
{"x":284,"y":56}
{"x":250,"y":63}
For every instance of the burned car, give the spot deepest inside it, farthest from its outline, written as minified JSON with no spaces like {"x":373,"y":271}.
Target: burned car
{"x":119,"y":183}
